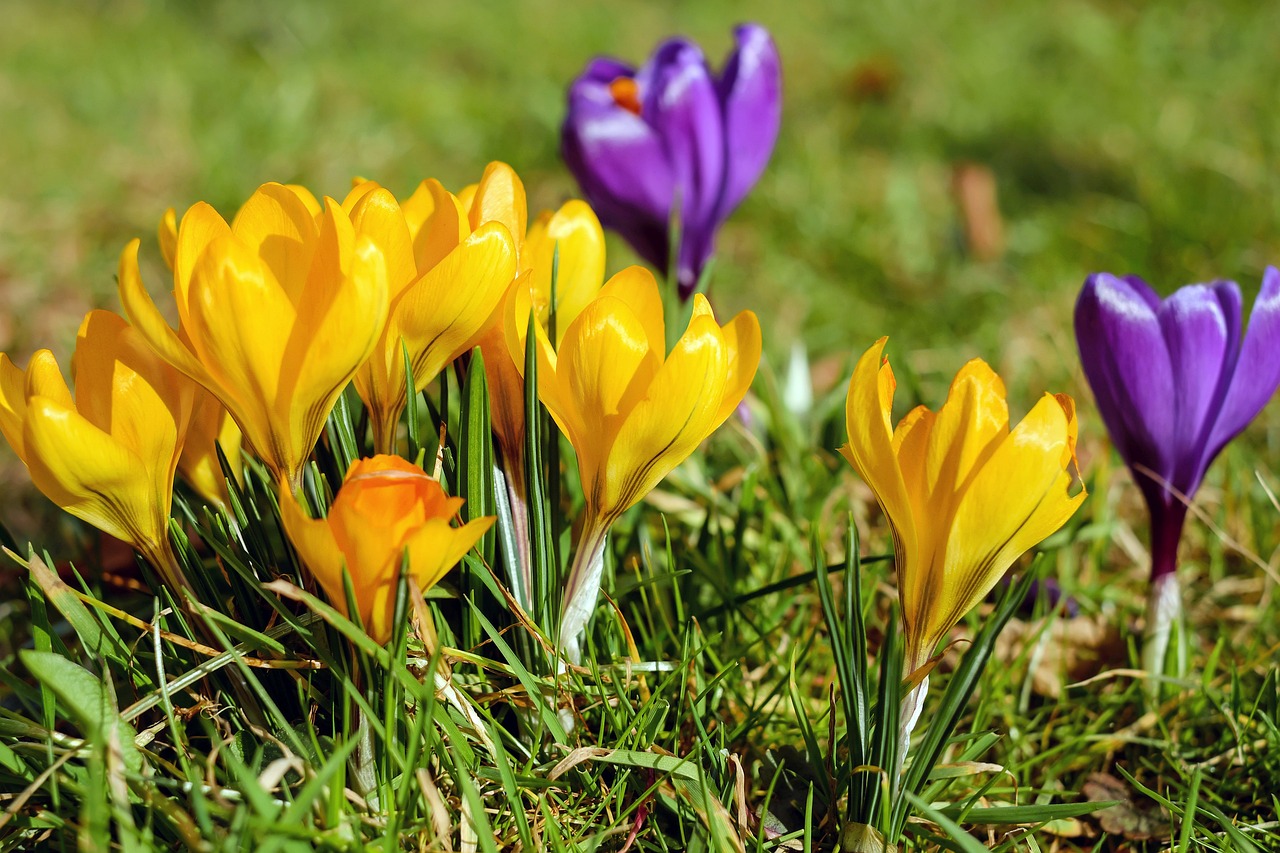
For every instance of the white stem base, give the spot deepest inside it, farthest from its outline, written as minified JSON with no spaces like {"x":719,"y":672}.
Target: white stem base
{"x":909,"y":715}
{"x":1164,"y":615}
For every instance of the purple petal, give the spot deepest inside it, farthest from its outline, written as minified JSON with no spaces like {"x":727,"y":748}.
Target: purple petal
{"x":1125,"y":359}
{"x":1257,"y":371}
{"x":1201,"y":326}
{"x":606,"y":69}
{"x":682,"y":105}
{"x":619,"y":160}
{"x":750,"y":89}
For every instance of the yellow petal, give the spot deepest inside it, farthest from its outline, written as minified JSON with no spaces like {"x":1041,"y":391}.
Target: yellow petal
{"x":1019,"y":497}
{"x":360,"y":187}
{"x":44,"y":379}
{"x":970,"y":425}
{"x":868,"y":413}
{"x":573,"y":239}
{"x":210,"y":426}
{"x":678,"y":411}
{"x":90,"y":475}
{"x":441,"y":231}
{"x":167,"y":235}
{"x":200,"y":226}
{"x":444,"y":313}
{"x":742,"y":344}
{"x":437,"y":547}
{"x":242,"y":323}
{"x":315,"y":543}
{"x":308,"y":200}
{"x":604,"y":367}
{"x":124,"y":389}
{"x":337,"y":328}
{"x":418,"y":207}
{"x":636,"y":287}
{"x":375,"y":213}
{"x":555,"y":392}
{"x":150,"y":323}
{"x":499,"y":197}
{"x":13,"y":403}
{"x":276,"y":225}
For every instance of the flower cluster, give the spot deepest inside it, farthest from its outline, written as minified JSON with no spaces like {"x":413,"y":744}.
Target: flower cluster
{"x":294,"y":299}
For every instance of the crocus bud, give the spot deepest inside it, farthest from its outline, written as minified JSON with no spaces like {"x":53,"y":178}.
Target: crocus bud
{"x":387,"y":510}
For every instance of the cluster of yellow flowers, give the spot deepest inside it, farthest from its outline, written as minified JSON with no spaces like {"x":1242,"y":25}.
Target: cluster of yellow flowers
{"x":281,"y":309}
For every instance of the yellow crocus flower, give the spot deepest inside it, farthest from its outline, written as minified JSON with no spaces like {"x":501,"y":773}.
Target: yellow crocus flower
{"x":445,"y":282}
{"x":386,"y":508}
{"x":964,"y":495}
{"x":276,"y":313}
{"x":108,"y":454}
{"x":632,"y":411}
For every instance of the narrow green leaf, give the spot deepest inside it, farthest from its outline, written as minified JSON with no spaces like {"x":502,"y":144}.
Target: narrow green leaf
{"x":93,"y":639}
{"x":85,"y":697}
{"x":966,"y":842}
{"x":411,"y":404}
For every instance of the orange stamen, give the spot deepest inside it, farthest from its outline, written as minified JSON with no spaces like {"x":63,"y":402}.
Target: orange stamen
{"x":626,"y":94}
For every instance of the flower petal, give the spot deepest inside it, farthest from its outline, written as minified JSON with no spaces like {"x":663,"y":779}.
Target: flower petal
{"x":604,"y":364}
{"x":638,"y":289}
{"x":210,"y":426}
{"x":437,"y":547}
{"x":314,"y":541}
{"x":682,"y":105}
{"x":573,"y":242}
{"x":1126,"y":360}
{"x":241,"y":321}
{"x":167,"y":236}
{"x":967,"y":429}
{"x":443,"y":314}
{"x":13,"y":402}
{"x":500,"y":198}
{"x":277,"y":226}
{"x":1257,"y":370}
{"x":677,"y":413}
{"x":442,"y":230}
{"x":1201,"y":326}
{"x":150,"y":323}
{"x":92,"y":476}
{"x":750,"y":89}
{"x":377,"y":215}
{"x":337,"y":327}
{"x":440,"y":316}
{"x":199,"y":227}
{"x":868,"y":413}
{"x":126,"y":390}
{"x":743,"y":345}
{"x":619,"y":161}
{"x":1019,"y":497}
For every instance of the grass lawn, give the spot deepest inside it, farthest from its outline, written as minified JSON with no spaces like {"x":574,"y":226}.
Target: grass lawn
{"x":946,"y":174}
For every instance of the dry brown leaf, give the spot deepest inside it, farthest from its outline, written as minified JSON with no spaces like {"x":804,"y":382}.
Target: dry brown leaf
{"x":1137,"y":821}
{"x":1071,"y":650}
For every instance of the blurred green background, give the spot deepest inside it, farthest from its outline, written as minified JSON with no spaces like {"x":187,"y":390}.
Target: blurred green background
{"x":947,"y":173}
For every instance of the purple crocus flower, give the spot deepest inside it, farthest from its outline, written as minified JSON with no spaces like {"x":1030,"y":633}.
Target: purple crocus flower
{"x":639,"y":140}
{"x":1175,"y":380}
